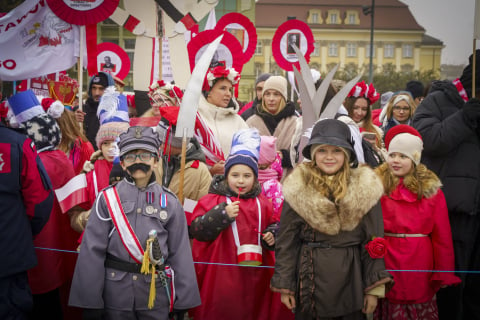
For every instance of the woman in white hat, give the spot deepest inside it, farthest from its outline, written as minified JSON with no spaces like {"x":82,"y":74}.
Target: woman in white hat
{"x":277,"y":117}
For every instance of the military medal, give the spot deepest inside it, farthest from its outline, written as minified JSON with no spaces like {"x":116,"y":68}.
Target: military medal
{"x":149,"y":209}
{"x":163,"y":204}
{"x":163,"y":214}
{"x":149,"y":198}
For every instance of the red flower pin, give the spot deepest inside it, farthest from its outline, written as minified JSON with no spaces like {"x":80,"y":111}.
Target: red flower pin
{"x":376,"y":248}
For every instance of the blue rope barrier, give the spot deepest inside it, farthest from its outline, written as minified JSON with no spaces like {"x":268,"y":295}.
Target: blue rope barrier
{"x":271,"y":267}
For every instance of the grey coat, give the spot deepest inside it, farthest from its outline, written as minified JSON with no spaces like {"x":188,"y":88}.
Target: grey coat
{"x":97,"y":287}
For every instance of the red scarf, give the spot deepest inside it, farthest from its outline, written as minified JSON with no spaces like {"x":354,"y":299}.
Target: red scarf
{"x":461,"y":90}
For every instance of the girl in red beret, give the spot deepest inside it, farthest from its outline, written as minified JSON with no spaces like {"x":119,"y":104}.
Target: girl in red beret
{"x":417,"y":230}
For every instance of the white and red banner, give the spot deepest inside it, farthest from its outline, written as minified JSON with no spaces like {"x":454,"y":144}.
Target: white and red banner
{"x":35,"y":42}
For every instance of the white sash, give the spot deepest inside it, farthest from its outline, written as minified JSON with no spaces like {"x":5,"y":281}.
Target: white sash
{"x":234,"y":224}
{"x":125,"y":231}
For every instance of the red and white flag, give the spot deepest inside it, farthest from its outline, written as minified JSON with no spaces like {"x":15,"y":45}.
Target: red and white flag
{"x":73,"y":193}
{"x":36,"y":42}
{"x":209,"y":143}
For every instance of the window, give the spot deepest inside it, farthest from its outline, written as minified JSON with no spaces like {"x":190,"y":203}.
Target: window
{"x":131,"y":56}
{"x":333,"y":18}
{"x":316,"y":49}
{"x":367,"y":51}
{"x":258,"y":48}
{"x":333,"y":50}
{"x":129,"y":43}
{"x":388,"y":51}
{"x":352,"y":18}
{"x":351,"y":49}
{"x":407,"y":51}
{"x":258,"y":69}
{"x":314,"y":16}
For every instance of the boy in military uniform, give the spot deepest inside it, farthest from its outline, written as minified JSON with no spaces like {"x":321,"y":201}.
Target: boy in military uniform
{"x":136,"y":234}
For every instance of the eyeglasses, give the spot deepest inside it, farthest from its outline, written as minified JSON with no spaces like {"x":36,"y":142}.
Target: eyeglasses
{"x":132,"y":157}
{"x":404,"y":109}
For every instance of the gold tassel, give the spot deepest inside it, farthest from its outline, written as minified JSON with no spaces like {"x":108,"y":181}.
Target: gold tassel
{"x":146,"y":258}
{"x":151,"y":297}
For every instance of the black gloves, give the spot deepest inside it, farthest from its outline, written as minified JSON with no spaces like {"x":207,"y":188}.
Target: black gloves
{"x":92,"y":314}
{"x":471,"y":112}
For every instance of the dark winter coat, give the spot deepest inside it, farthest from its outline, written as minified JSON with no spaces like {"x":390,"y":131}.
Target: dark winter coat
{"x":320,"y":250}
{"x":451,"y":146}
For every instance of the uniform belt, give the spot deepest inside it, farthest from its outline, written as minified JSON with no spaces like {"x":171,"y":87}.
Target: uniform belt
{"x":405,"y":235}
{"x":118,"y":264}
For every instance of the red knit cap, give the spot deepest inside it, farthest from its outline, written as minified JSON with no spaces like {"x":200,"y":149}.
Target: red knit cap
{"x":401,"y":128}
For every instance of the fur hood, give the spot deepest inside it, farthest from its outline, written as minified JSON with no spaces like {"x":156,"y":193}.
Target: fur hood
{"x":364,"y":191}
{"x":427,"y":183}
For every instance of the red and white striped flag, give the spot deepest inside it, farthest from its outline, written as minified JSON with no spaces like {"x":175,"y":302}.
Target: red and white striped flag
{"x":73,"y":193}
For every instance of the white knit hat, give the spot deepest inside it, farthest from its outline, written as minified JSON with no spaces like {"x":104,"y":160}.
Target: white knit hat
{"x":278,"y":83}
{"x":406,"y":140}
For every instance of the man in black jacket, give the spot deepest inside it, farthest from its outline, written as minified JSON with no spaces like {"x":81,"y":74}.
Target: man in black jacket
{"x":449,"y":121}
{"x":27,"y":198}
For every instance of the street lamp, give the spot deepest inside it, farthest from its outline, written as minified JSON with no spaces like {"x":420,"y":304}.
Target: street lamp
{"x":370,"y":10}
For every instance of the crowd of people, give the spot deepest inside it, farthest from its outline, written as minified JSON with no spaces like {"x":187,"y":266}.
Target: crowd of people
{"x":377,"y":215}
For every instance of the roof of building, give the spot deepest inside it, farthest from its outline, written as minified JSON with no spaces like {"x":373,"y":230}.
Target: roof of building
{"x":389,"y":14}
{"x":429,"y":40}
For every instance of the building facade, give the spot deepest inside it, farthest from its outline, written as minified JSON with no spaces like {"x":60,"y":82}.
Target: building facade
{"x":341,"y":32}
{"x":342,"y":35}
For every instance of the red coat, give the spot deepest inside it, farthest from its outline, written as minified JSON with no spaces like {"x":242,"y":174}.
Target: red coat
{"x":234,"y":292}
{"x":403,"y":213}
{"x":54,"y":267}
{"x":100,"y":174}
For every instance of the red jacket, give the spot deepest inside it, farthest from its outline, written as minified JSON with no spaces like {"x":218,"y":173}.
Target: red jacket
{"x":404,"y":214}
{"x":54,"y":266}
{"x":98,"y":179}
{"x":234,"y":292}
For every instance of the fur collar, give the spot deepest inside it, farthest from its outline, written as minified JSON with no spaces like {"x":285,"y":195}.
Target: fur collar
{"x":427,"y":183}
{"x":364,"y":192}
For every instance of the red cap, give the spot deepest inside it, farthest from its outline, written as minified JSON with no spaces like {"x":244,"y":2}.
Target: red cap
{"x":401,"y":128}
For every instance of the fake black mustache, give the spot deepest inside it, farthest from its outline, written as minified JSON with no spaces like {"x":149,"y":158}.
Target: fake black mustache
{"x":139,"y":166}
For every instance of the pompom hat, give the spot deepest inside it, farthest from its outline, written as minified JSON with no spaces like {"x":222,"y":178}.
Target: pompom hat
{"x":113,"y":116}
{"x":406,"y":140}
{"x":245,"y":150}
{"x":25,"y":106}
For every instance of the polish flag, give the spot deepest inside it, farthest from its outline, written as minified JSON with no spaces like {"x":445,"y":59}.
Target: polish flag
{"x":73,"y":193}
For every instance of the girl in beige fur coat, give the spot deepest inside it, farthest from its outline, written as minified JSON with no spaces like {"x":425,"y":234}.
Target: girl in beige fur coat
{"x":327,"y":264}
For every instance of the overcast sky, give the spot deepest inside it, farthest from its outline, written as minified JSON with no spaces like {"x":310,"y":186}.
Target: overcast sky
{"x":450,"y":21}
